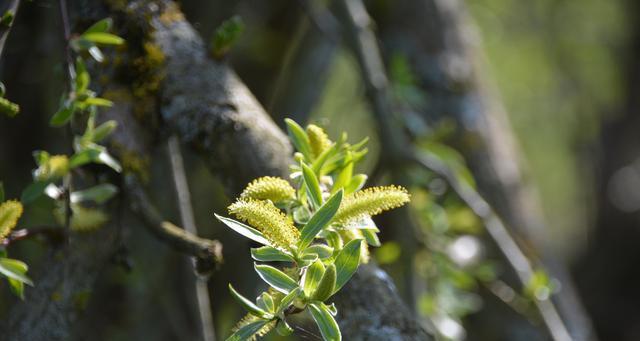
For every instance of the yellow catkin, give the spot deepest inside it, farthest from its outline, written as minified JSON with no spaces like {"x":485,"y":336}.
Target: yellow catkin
{"x":267,"y":218}
{"x":56,"y":167}
{"x":10,"y":212}
{"x":249,"y":318}
{"x":371,"y":201}
{"x":318,"y":139}
{"x":269,"y":188}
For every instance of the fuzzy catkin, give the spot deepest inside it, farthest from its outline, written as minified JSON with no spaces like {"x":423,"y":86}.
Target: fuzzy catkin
{"x":267,"y":218}
{"x":269,"y":188}
{"x":371,"y":201}
{"x":318,"y":139}
{"x":10,"y":212}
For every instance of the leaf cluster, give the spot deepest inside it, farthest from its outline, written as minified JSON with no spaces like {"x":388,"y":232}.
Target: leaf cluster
{"x":319,"y":229}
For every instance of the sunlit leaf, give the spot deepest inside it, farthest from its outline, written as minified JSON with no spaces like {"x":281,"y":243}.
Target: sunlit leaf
{"x":244,"y":230}
{"x":15,"y":269}
{"x":312,"y":277}
{"x":103,"y":38}
{"x":347,"y":262}
{"x":270,"y":254}
{"x":247,"y":331}
{"x":248,"y":305}
{"x":320,"y":220}
{"x":98,"y":194}
{"x":325,"y":321}
{"x":313,"y":186}
{"x":276,"y":278}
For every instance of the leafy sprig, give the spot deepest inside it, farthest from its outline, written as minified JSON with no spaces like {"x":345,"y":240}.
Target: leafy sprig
{"x":320,"y":229}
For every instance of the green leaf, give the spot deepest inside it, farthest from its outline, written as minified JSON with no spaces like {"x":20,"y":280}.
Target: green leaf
{"x":325,"y":321}
{"x":98,"y":101}
{"x":320,"y":220}
{"x":247,"y":331}
{"x":321,"y":250}
{"x":299,"y":138}
{"x":356,"y":183}
{"x":244,"y":230}
{"x":318,"y":163}
{"x":104,"y":130}
{"x":41,"y":157}
{"x":98,"y":194}
{"x":276,"y":278}
{"x":248,"y":305}
{"x":82,"y":76}
{"x":313,"y":186}
{"x":270,"y":254}
{"x":347,"y":262}
{"x":327,"y":284}
{"x":103,"y":38}
{"x":17,"y":287}
{"x":344,"y":177}
{"x":13,"y":268}
{"x":226,"y":35}
{"x":108,"y":160}
{"x":266,"y":301}
{"x":371,"y":236}
{"x":33,"y":191}
{"x":101,"y":26}
{"x":283,"y":328}
{"x":83,"y":157}
{"x":61,"y":117}
{"x":312,"y":277}
{"x":286,"y":301}
{"x":95,"y":52}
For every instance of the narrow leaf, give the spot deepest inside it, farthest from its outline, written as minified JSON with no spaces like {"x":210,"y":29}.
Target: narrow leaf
{"x":270,"y":254}
{"x":103,"y":38}
{"x":313,"y":186}
{"x":347,"y":262}
{"x":286,"y":301}
{"x":371,"y":237}
{"x":104,"y":130}
{"x":276,"y":278}
{"x":299,"y":138}
{"x":98,"y":194}
{"x":312,"y":277}
{"x":83,"y":157}
{"x":248,"y":305}
{"x":356,"y":183}
{"x":244,"y":230}
{"x":321,"y":250}
{"x":61,"y":117}
{"x":325,"y":321}
{"x":247,"y":331}
{"x":108,"y":160}
{"x":327,"y":284}
{"x":15,"y":269}
{"x":33,"y":191}
{"x":320,"y":220}
{"x":98,"y":101}
{"x":101,"y":26}
{"x":344,"y":177}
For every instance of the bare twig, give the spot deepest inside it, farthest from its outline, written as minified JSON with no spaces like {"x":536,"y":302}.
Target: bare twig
{"x":363,"y":43}
{"x":189,"y":224}
{"x":208,"y":252}
{"x":5,"y":28}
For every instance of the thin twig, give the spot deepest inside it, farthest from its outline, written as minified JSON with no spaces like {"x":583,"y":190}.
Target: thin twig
{"x":364,"y":45}
{"x":5,"y":28}
{"x":208,"y":252}
{"x":189,"y":224}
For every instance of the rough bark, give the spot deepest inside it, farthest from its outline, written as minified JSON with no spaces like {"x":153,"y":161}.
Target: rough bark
{"x":443,"y":48}
{"x":208,"y":107}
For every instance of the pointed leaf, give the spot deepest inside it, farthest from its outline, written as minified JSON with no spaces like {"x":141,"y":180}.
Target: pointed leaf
{"x":104,"y":130}
{"x":325,"y":321}
{"x":247,"y":331}
{"x":101,"y":26}
{"x":327,"y":284}
{"x":248,"y":305}
{"x":98,"y":194}
{"x":344,"y":177}
{"x":33,"y":191}
{"x":312,"y":277}
{"x":299,"y":138}
{"x":276,"y":278}
{"x":321,"y":250}
{"x":347,"y":262}
{"x":356,"y":183}
{"x":15,"y":269}
{"x":313,"y":186}
{"x":61,"y":117}
{"x":286,"y":301}
{"x":103,"y":38}
{"x":320,"y":220}
{"x":270,"y":254}
{"x":244,"y":230}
